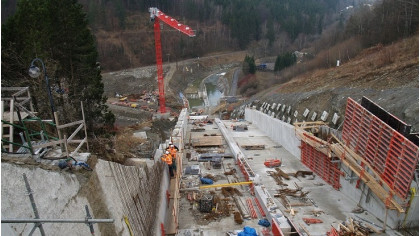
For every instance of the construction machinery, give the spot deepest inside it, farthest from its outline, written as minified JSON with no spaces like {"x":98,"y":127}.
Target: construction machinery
{"x":156,"y":15}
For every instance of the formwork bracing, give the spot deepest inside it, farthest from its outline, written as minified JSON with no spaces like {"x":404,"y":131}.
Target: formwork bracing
{"x":321,"y":164}
{"x":389,"y":153}
{"x":314,"y":150}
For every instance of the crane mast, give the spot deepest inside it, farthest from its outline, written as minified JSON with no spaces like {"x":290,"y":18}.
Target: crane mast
{"x":156,"y":15}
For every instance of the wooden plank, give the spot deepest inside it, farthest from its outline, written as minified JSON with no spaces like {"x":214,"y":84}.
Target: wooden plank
{"x":207,"y":141}
{"x":28,"y":99}
{"x":350,"y":159}
{"x":2,"y":125}
{"x":15,"y":118}
{"x":18,"y":93}
{"x":198,"y":130}
{"x":75,"y":132}
{"x":12,"y":120}
{"x":367,"y":178}
{"x":69,"y":124}
{"x":13,"y":88}
{"x":253,"y":147}
{"x":80,"y":145}
{"x":53,"y":143}
{"x":25,"y":110}
{"x":17,"y":99}
{"x":172,"y":223}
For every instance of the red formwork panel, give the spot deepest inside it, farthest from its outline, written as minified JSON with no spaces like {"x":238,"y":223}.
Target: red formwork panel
{"x":319,"y":163}
{"x":389,"y":153}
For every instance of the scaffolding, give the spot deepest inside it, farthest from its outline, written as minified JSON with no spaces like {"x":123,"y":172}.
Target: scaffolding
{"x":37,"y":135}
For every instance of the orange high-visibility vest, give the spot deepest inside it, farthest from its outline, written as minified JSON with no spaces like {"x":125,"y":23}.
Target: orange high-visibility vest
{"x":168,"y":159}
{"x":172,"y":151}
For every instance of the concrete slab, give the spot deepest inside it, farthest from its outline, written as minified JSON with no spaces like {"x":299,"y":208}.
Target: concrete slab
{"x":335,"y":206}
{"x":322,"y":201}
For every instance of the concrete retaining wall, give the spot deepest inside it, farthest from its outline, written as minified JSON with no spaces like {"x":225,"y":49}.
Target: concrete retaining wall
{"x":56,"y":196}
{"x":279,"y":131}
{"x":130,"y":191}
{"x":111,"y":191}
{"x":376,"y":207}
{"x":284,"y":134}
{"x":177,"y":137}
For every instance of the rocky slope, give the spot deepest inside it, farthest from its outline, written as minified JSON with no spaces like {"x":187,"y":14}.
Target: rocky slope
{"x":387,"y":75}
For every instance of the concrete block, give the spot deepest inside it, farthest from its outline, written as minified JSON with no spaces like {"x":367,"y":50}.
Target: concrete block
{"x":324,"y":116}
{"x":274,"y":105}
{"x":278,"y":106}
{"x":283,"y":118}
{"x":313,"y":118}
{"x":306,"y":112}
{"x":283,"y":108}
{"x":335,"y":118}
{"x":295,"y":114}
{"x":288,"y":109}
{"x":288,"y":120}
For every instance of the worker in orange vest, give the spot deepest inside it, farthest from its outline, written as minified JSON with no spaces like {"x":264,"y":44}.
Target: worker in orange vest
{"x":167,"y":158}
{"x":172,"y":150}
{"x":171,"y":143}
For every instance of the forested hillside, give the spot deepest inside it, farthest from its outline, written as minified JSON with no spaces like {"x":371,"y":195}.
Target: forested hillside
{"x":61,"y":33}
{"x":125,"y":35}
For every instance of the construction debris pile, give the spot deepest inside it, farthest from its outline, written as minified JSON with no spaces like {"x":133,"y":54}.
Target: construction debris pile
{"x":146,"y":100}
{"x":353,"y":227}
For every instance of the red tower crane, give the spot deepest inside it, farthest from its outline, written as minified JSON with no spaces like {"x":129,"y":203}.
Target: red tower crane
{"x":156,"y":15}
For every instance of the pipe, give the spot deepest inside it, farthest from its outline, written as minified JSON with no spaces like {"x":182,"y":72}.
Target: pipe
{"x":57,"y":221}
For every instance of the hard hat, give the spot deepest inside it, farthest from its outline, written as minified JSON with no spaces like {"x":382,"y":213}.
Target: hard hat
{"x":167,"y":152}
{"x":172,"y":145}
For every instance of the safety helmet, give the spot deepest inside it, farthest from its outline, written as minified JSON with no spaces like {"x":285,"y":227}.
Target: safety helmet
{"x":167,"y":152}
{"x":172,"y":145}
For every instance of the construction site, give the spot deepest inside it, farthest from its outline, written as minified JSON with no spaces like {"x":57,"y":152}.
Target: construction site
{"x":276,"y":178}
{"x":275,"y":169}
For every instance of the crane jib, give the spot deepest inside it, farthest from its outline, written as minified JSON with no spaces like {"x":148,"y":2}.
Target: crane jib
{"x":171,"y":22}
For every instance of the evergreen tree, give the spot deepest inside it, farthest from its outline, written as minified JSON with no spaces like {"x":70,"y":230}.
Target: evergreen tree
{"x":284,"y":60}
{"x":271,"y":36}
{"x":57,"y":32}
{"x":248,"y":66}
